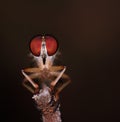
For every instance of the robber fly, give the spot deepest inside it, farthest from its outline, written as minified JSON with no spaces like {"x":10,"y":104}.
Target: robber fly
{"x":44,"y":50}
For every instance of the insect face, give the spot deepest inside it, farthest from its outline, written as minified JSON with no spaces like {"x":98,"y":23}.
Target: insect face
{"x":43,"y":47}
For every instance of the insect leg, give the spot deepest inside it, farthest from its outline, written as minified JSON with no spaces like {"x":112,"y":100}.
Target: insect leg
{"x":56,"y":68}
{"x":67,"y":81}
{"x":63,"y":85}
{"x":31,"y":76}
{"x":32,"y":70}
{"x":28,"y":87}
{"x":30,"y":80}
{"x":53,"y":83}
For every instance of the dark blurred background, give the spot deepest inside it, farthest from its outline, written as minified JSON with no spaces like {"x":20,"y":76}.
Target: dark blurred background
{"x":88,"y":32}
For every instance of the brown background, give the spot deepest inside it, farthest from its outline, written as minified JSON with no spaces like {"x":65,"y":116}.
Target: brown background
{"x":88,"y":32}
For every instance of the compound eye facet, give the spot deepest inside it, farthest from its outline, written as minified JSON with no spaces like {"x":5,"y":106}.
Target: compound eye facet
{"x":51,"y":45}
{"x":35,"y":45}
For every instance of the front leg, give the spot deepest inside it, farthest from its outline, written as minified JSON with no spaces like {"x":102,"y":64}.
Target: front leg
{"x":30,"y":80}
{"x":53,"y":83}
{"x":59,"y":75}
{"x":67,"y":80}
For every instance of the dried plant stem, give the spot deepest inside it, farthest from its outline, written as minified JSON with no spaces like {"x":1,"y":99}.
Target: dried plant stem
{"x":49,"y":113}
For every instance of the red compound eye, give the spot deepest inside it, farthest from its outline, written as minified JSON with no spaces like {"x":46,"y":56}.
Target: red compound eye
{"x":51,"y":45}
{"x":35,"y":45}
